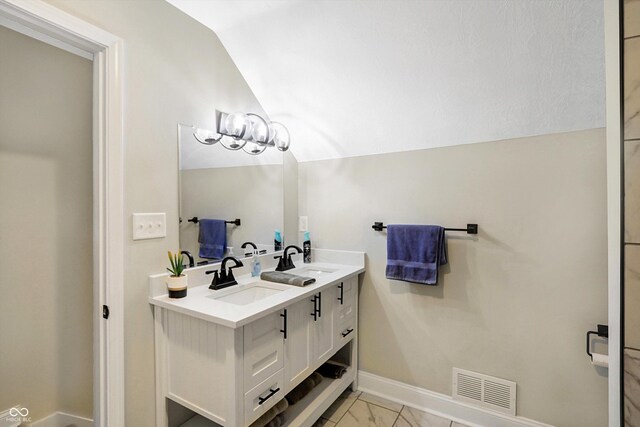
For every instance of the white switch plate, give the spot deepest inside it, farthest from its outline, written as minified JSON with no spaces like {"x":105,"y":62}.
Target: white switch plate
{"x":303,"y":223}
{"x":149,"y":225}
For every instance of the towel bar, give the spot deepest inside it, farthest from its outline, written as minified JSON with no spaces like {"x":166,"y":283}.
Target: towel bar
{"x":195,"y":220}
{"x":471,"y":228}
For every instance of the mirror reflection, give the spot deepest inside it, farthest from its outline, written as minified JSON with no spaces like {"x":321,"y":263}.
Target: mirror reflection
{"x":228,"y":199}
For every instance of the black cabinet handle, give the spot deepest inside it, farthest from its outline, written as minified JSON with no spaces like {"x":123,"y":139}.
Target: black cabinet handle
{"x":261,"y":400}
{"x":315,"y":308}
{"x":344,"y":334}
{"x":284,"y":331}
{"x":319,"y":304}
{"x":341,"y":297}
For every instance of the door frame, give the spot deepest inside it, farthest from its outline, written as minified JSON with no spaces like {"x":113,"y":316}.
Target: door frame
{"x":615,"y":205}
{"x":46,"y":23}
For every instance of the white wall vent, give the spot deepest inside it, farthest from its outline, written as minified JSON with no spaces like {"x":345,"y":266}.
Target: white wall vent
{"x":482,"y":390}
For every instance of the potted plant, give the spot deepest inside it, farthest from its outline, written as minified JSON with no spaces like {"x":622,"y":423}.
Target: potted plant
{"x":176,"y":282}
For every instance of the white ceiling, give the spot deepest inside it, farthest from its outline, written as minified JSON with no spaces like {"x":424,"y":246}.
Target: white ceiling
{"x":358,"y":77}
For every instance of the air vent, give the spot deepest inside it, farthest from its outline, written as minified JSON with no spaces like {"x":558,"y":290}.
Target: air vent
{"x":482,"y":390}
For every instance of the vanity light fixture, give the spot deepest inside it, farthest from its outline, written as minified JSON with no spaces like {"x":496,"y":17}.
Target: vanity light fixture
{"x":246,"y":131}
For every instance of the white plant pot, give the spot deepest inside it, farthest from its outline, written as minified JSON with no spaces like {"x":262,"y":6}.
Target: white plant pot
{"x":177,"y":286}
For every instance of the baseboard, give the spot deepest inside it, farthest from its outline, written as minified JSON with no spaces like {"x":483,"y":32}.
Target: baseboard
{"x":61,"y":419}
{"x":439,"y":404}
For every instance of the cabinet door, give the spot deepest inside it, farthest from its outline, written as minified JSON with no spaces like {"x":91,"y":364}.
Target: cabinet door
{"x":297,"y":344}
{"x":263,"y":349}
{"x":323,"y":336}
{"x":346,"y":298}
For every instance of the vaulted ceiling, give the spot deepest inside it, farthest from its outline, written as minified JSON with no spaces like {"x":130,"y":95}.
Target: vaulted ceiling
{"x":358,"y":77}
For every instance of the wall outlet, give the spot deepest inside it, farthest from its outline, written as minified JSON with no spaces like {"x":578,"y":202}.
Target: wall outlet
{"x":149,"y":225}
{"x":303,"y":223}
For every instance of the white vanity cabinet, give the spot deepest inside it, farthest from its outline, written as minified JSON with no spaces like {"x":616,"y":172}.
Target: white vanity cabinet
{"x":234,"y":375}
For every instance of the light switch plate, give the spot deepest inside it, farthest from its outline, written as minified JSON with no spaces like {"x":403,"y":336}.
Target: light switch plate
{"x":303,"y":223}
{"x":149,"y":225}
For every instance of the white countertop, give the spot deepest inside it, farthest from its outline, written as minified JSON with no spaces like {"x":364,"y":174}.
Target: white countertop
{"x":199,"y":302}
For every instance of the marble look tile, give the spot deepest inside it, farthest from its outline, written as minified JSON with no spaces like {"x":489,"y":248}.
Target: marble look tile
{"x":380,"y":401}
{"x":366,"y":414}
{"x":631,"y":18}
{"x":632,"y":296}
{"x":632,"y":88}
{"x":410,"y":417}
{"x":631,"y":388}
{"x":632,"y":191}
{"x":341,"y":406}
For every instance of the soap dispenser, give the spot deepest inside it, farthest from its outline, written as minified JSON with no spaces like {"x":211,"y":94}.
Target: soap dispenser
{"x":256,"y":267}
{"x":306,"y":248}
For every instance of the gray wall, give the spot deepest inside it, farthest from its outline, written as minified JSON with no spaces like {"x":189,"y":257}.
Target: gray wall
{"x":513,"y":302}
{"x":175,"y":71}
{"x":45,"y":242}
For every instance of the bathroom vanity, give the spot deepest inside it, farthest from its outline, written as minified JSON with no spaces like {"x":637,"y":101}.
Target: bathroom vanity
{"x":231,"y":354}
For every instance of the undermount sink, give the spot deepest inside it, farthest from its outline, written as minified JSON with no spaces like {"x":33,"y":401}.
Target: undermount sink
{"x":247,"y":294}
{"x":313,"y":271}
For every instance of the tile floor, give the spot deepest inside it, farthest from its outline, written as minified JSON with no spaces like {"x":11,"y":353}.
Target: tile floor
{"x":357,"y":409}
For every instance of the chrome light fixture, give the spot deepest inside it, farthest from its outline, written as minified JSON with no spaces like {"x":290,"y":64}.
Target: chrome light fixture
{"x":246,"y":131}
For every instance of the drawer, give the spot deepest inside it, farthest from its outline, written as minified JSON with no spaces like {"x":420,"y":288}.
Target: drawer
{"x":263,"y":397}
{"x":346,"y":330}
{"x":263,"y":349}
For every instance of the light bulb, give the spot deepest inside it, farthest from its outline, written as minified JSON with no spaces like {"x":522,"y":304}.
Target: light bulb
{"x":254,"y":149}
{"x":279,"y":136}
{"x":236,"y":124}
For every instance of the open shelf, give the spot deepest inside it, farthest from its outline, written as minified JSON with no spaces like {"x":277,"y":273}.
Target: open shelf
{"x":307,"y":410}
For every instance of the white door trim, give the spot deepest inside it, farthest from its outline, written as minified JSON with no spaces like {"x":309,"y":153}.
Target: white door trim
{"x":64,"y":30}
{"x":614,"y":205}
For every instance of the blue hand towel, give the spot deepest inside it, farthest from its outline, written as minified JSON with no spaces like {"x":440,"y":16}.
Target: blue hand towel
{"x":414,"y":253}
{"x":212,"y":238}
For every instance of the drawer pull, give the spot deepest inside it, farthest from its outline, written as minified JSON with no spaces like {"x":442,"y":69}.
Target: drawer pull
{"x":344,"y":334}
{"x":261,"y":400}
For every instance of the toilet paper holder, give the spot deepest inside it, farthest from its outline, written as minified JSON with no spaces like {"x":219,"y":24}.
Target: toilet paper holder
{"x":602,"y":332}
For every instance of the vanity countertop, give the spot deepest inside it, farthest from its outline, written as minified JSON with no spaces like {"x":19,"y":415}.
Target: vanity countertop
{"x":201,"y":301}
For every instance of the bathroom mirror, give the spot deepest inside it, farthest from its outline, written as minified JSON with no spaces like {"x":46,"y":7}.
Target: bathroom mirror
{"x":217,"y":183}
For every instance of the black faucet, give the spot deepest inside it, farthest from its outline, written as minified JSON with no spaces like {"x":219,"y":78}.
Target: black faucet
{"x":245,"y":244}
{"x":286,"y":263}
{"x":191,"y":260}
{"x":225,"y":279}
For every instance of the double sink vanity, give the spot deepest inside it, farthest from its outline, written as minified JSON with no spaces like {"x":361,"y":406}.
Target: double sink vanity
{"x":231,"y":354}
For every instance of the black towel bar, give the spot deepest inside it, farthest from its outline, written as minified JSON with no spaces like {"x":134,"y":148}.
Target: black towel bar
{"x":471,"y":228}
{"x":195,"y":220}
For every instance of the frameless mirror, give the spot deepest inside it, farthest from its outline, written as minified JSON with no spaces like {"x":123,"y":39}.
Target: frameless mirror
{"x":226,"y":185}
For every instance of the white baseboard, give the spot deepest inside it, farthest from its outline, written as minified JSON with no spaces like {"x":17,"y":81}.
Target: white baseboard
{"x":439,"y":404}
{"x":60,"y":419}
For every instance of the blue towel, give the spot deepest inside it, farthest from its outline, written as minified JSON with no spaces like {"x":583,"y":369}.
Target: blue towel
{"x":212,"y":238}
{"x":414,"y":253}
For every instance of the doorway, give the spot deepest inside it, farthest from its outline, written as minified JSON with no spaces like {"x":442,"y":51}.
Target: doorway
{"x":39,"y":20}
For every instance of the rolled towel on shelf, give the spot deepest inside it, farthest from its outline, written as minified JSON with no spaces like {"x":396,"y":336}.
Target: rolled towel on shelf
{"x":286,"y":278}
{"x":277,"y":421}
{"x":332,"y":369}
{"x":303,"y":388}
{"x":272,"y":413}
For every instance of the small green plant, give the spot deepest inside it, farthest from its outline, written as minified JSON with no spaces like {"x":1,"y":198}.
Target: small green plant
{"x":177,"y":264}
